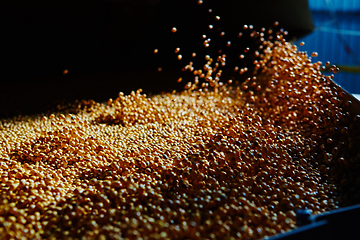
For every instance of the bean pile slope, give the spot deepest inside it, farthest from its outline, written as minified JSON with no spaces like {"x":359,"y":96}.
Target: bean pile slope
{"x":223,"y":161}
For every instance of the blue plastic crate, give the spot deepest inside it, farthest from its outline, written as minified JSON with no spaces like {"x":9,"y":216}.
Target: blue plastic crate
{"x":336,"y":38}
{"x":338,"y":5}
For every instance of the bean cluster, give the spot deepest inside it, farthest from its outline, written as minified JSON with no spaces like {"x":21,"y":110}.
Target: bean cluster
{"x":217,"y":161}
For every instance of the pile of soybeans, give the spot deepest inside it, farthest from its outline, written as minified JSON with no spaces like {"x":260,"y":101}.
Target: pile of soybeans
{"x":221,"y":161}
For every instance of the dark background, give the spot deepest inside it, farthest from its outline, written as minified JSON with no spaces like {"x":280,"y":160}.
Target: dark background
{"x":107,"y":45}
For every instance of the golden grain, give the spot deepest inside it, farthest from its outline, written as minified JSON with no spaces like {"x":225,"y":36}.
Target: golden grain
{"x":214,"y":161}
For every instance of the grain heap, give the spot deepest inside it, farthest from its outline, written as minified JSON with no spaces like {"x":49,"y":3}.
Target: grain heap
{"x":218,"y":162}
